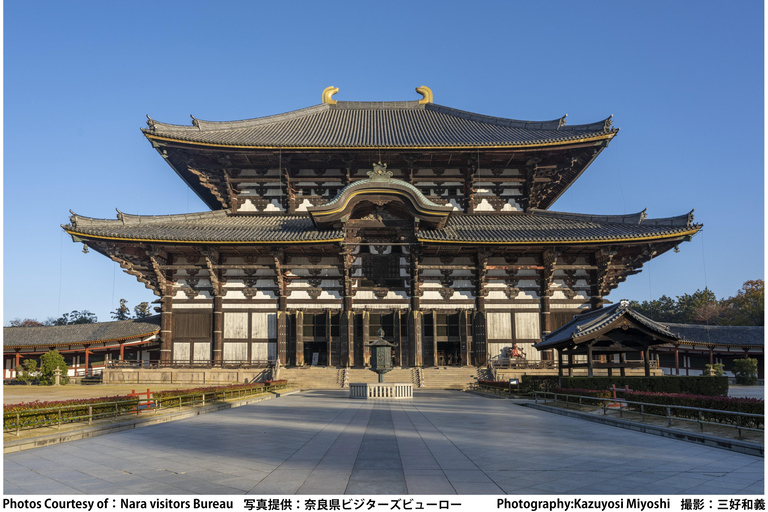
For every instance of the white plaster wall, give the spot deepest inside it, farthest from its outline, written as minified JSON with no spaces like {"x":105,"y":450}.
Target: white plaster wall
{"x":235,"y":351}
{"x":264,"y":325}
{"x":202,"y":352}
{"x":180,"y":351}
{"x":499,"y":326}
{"x":527,"y":325}
{"x":235,"y":325}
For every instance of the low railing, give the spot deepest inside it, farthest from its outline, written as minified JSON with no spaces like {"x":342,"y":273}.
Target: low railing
{"x":154,"y":364}
{"x":380,"y":390}
{"x":505,"y":363}
{"x":15,"y":421}
{"x":739,"y":420}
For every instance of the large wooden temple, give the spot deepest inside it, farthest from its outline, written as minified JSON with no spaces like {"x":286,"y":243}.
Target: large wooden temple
{"x":333,"y":221}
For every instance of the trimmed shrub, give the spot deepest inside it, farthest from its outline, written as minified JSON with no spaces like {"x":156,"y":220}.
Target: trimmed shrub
{"x":699,"y":385}
{"x":48,"y":364}
{"x":531,"y":383}
{"x":34,"y":414}
{"x":745,"y":371}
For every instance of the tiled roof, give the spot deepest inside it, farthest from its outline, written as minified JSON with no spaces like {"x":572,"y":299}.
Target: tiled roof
{"x":719,"y":335}
{"x":215,"y":226}
{"x":583,"y":327}
{"x":553,"y":227}
{"x":58,"y":335}
{"x":380,"y":124}
{"x":538,"y":226}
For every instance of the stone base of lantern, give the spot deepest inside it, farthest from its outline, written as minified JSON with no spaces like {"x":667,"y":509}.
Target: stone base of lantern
{"x":387,"y":390}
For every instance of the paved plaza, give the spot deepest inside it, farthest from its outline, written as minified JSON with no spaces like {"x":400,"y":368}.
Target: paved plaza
{"x":441,"y":442}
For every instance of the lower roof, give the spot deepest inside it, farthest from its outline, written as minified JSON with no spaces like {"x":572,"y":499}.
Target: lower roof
{"x":535,"y":227}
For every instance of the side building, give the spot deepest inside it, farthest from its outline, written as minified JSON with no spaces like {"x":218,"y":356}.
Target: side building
{"x":330,"y":222}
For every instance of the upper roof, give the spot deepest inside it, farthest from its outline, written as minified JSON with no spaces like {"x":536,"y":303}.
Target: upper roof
{"x":586,"y":326}
{"x":719,"y":335}
{"x":537,"y":226}
{"x":79,"y":334}
{"x":395,"y":124}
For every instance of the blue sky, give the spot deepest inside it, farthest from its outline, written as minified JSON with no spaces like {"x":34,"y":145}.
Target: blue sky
{"x":684,"y":81}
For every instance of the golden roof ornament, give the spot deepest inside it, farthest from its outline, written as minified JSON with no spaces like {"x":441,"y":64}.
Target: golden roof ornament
{"x":327,"y":93}
{"x":380,"y":172}
{"x":426,"y":94}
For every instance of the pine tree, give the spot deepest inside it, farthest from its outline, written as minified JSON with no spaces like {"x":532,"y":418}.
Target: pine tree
{"x":122,"y":312}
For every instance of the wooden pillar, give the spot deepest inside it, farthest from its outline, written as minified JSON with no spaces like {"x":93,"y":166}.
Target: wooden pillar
{"x":18,"y":359}
{"x":623,"y":361}
{"x":647,"y":362}
{"x":86,"y":360}
{"x":465,"y":333}
{"x":677,"y":360}
{"x":366,"y":337}
{"x":590,"y":372}
{"x":347,"y":338}
{"x":434,"y":335}
{"x":711,"y":355}
{"x":282,"y":332}
{"x":415,"y":331}
{"x":299,"y":338}
{"x":559,"y":362}
{"x":166,"y":325}
{"x":329,"y":345}
{"x":570,"y":363}
{"x":397,"y":318}
{"x":122,"y":350}
{"x":218,"y":330}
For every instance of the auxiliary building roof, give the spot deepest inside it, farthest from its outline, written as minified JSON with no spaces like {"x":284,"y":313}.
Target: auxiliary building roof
{"x":78,"y":334}
{"x":396,"y":124}
{"x":538,"y":226}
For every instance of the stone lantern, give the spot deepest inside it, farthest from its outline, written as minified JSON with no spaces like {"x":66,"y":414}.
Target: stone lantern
{"x":381,"y":355}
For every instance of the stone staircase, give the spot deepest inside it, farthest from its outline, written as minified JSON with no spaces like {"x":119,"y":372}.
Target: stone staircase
{"x":449,"y":377}
{"x":323,"y":377}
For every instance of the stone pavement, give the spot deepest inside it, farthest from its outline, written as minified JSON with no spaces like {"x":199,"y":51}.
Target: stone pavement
{"x":441,"y":442}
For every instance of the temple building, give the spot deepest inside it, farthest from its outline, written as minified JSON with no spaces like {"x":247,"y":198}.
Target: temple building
{"x":330,"y":222}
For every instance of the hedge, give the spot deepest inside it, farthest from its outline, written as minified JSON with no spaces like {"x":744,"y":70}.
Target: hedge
{"x":699,"y":385}
{"x":190,"y":396}
{"x":32,"y":416}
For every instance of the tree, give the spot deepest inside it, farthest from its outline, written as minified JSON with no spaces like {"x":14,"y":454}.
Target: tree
{"x":27,"y":371}
{"x":122,"y":312}
{"x":76,"y":317}
{"x":48,"y":364}
{"x":27,"y":322}
{"x":142,"y":310}
{"x":745,"y":371}
{"x":748,"y":306}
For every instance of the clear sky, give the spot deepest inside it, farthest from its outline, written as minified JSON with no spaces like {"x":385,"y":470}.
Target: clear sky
{"x":684,"y":81}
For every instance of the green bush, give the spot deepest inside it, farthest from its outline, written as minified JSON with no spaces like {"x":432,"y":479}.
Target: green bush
{"x":745,"y":371}
{"x":48,"y":364}
{"x":531,"y":383}
{"x":27,"y":371}
{"x":714,"y":370}
{"x":699,"y":385}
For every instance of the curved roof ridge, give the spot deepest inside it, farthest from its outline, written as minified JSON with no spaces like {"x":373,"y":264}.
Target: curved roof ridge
{"x":201,"y":125}
{"x":558,"y":124}
{"x":73,"y":334}
{"x":629,"y":218}
{"x":131,"y":219}
{"x":685,"y":220}
{"x":418,"y":193}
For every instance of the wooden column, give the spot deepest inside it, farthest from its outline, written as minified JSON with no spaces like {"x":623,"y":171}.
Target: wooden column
{"x":329,"y":345}
{"x":647,"y":362}
{"x":397,"y":318}
{"x":479,"y":323}
{"x":677,"y":360}
{"x":570,"y":364}
{"x":434,"y":335}
{"x":549,"y":259}
{"x":86,"y":359}
{"x":559,"y":362}
{"x":299,"y":338}
{"x":623,"y":361}
{"x":465,"y":333}
{"x":282,"y":332}
{"x":166,"y":325}
{"x":590,"y":372}
{"x":347,"y":338}
{"x":218,"y":330}
{"x":415,"y":331}
{"x":711,"y":355}
{"x":366,"y":337}
{"x":122,"y":350}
